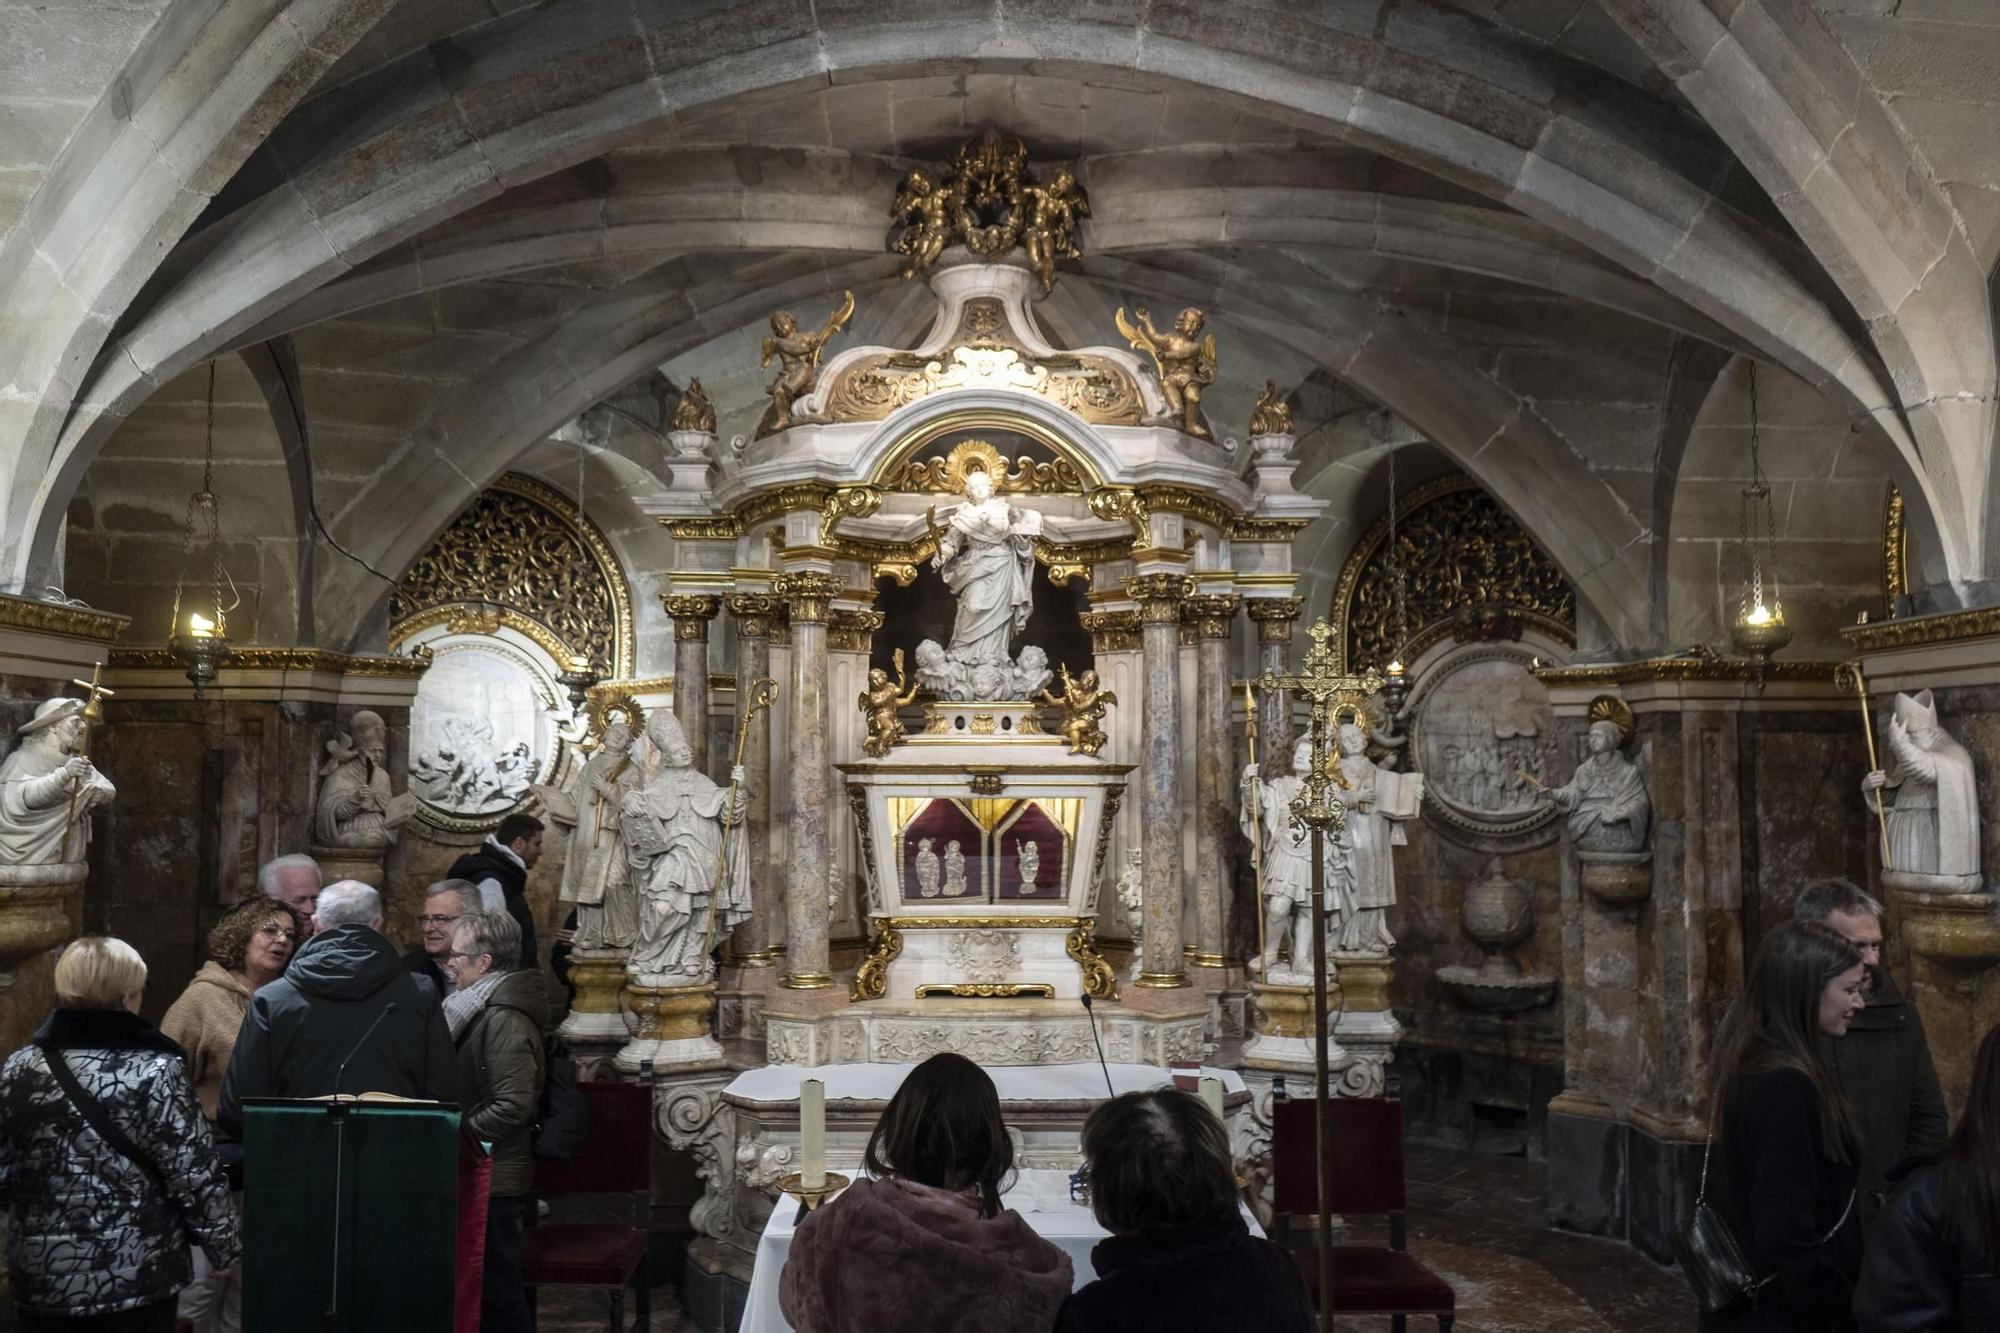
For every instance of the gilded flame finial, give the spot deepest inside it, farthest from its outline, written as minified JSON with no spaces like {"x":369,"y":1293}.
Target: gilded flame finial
{"x":988,"y":201}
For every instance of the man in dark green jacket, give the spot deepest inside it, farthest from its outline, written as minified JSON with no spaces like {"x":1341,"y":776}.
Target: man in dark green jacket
{"x":1885,"y":1059}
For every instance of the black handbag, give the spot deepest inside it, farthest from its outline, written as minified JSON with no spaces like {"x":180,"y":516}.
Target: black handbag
{"x":1710,"y":1256}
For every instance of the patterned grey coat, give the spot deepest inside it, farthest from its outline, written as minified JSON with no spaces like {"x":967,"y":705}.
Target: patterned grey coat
{"x":88,"y":1232}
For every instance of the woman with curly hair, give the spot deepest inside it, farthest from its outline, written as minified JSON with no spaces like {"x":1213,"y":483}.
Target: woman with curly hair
{"x":248,"y":947}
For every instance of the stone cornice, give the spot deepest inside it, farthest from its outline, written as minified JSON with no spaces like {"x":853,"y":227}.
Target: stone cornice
{"x":79,"y":622}
{"x":1916,"y":631}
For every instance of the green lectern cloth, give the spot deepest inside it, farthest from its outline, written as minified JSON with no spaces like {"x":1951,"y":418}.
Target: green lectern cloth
{"x":397,"y":1183}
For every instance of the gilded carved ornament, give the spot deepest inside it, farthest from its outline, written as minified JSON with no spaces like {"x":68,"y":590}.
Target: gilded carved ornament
{"x":1460,"y":552}
{"x":988,"y":200}
{"x":523,"y":547}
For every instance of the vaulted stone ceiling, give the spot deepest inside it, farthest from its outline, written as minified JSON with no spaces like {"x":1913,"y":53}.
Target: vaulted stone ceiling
{"x":1534,"y":233}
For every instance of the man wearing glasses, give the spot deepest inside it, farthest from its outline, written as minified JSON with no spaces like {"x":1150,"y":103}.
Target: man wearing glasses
{"x":444,"y":903}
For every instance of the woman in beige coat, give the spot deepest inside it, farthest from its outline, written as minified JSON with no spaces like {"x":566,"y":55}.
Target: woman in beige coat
{"x":248,"y":947}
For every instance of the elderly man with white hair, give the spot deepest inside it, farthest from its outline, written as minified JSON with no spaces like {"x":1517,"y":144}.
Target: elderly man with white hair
{"x":315,"y":1031}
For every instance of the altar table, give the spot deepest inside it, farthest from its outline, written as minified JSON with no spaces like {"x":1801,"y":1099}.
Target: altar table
{"x":1040,"y":1196}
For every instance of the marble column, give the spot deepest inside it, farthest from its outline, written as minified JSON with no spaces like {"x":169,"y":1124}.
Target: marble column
{"x":755,"y":615}
{"x":691,"y":613}
{"x":810,"y":778}
{"x":1159,"y":597}
{"x":1212,"y":617}
{"x":1274,"y":618}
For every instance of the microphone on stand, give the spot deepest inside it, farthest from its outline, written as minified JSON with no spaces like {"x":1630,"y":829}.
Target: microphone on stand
{"x":1100,"y":1046}
{"x":387,"y":1009}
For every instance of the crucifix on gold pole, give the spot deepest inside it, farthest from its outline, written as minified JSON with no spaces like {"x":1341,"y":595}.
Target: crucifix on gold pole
{"x":93,"y":713}
{"x":1331,"y":692}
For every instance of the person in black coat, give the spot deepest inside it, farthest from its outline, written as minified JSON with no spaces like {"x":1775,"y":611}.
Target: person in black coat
{"x":1933,"y":1260}
{"x":1785,"y":1151}
{"x":1179,"y":1256}
{"x":314,"y":1031}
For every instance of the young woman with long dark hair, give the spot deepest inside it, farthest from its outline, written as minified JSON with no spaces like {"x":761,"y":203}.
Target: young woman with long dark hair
{"x":922,"y":1244}
{"x":1783,"y":1173}
{"x":1934,"y":1254}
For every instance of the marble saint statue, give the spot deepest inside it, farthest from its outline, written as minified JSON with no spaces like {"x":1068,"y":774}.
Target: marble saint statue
{"x":1930,"y":802}
{"x":47,"y":792}
{"x":672,"y":818}
{"x":954,"y":871}
{"x":356,"y":807}
{"x":1287,"y":868}
{"x":597,"y":873}
{"x":986,"y":553}
{"x":928,"y":870}
{"x":1379,"y":802}
{"x":1605,"y":798}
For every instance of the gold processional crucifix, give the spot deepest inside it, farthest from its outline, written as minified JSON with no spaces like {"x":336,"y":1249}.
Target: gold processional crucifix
{"x":93,"y":713}
{"x":1332,"y":694}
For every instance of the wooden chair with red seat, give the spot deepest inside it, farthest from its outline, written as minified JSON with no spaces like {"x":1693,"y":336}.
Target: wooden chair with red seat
{"x":1367,"y":1135}
{"x":615,"y":1157}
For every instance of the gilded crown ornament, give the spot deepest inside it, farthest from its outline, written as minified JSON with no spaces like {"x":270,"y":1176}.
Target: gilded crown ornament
{"x":988,"y":201}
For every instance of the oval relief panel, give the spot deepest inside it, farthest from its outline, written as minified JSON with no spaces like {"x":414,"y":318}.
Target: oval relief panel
{"x":480,"y":732}
{"x":1482,"y":734}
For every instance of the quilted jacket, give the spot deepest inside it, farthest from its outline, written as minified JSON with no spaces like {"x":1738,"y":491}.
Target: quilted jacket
{"x":88,"y":1232}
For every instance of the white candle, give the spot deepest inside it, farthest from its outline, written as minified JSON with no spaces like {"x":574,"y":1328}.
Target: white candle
{"x":812,"y":1134}
{"x":1211,"y":1093}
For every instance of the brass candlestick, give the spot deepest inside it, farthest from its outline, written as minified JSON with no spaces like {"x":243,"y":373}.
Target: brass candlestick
{"x":792,"y":1187}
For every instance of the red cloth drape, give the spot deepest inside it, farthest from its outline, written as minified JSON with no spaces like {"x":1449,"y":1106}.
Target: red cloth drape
{"x":475,"y":1178}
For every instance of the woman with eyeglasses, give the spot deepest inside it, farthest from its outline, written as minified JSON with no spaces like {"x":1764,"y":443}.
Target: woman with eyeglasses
{"x":923,"y":1244}
{"x":247,"y":948}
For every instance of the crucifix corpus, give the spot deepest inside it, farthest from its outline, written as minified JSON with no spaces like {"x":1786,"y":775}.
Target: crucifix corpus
{"x":1332,"y":693}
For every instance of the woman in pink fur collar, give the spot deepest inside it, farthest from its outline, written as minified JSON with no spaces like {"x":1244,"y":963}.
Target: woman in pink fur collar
{"x":924,"y":1246}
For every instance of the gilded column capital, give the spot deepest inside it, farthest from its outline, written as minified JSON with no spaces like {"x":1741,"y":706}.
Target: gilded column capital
{"x":851,"y":630}
{"x":755,"y":613}
{"x":1160,"y":596}
{"x":1274,"y":616}
{"x":1112,"y":631}
{"x":691,"y":612}
{"x":1211,"y":615}
{"x":808,"y":593}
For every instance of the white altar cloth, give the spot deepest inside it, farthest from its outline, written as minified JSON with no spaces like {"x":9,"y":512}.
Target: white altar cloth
{"x":1016,"y":1083}
{"x":1041,"y":1197}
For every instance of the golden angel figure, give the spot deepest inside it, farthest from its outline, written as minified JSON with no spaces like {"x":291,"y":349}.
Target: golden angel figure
{"x":879,"y":703}
{"x":1054,"y":211}
{"x":1185,"y":359}
{"x":924,"y":209}
{"x":798,"y":360}
{"x":1272,"y":415}
{"x":1083,"y":706}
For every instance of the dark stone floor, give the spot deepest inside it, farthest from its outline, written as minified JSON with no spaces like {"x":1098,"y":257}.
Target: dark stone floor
{"x":1478,"y":1220}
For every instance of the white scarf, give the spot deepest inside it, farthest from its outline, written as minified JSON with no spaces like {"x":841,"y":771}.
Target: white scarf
{"x":463,"y":1005}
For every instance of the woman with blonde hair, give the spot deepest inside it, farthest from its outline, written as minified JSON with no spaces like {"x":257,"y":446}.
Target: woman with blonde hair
{"x":106,"y":1166}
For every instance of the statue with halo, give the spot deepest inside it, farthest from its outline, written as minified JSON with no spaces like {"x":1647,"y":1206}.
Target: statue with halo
{"x":986,"y":552}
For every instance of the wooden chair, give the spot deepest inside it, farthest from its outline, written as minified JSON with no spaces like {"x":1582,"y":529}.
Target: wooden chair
{"x":615,"y":1157}
{"x":1367,"y":1178}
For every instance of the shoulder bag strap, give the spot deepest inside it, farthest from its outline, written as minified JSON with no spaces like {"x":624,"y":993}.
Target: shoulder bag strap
{"x":100,"y":1120}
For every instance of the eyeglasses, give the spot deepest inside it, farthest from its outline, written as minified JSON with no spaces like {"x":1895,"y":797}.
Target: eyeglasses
{"x":433,"y":920}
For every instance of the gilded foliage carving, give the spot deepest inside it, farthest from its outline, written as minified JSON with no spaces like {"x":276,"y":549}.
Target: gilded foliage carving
{"x":1462,"y":556}
{"x":521,"y":546}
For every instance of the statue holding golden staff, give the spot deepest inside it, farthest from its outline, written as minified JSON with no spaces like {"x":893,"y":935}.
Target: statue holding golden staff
{"x":798,"y":360}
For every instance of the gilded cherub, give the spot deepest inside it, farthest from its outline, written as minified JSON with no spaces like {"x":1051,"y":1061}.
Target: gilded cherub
{"x":1186,"y":362}
{"x":879,"y":703}
{"x":1054,"y":211}
{"x":924,"y":210}
{"x":798,"y":360}
{"x":1083,"y":706}
{"x":1272,"y":415}
{"x":694,"y":411}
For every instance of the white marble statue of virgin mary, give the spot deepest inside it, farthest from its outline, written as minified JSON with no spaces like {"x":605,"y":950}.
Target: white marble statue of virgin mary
{"x":987,"y":557}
